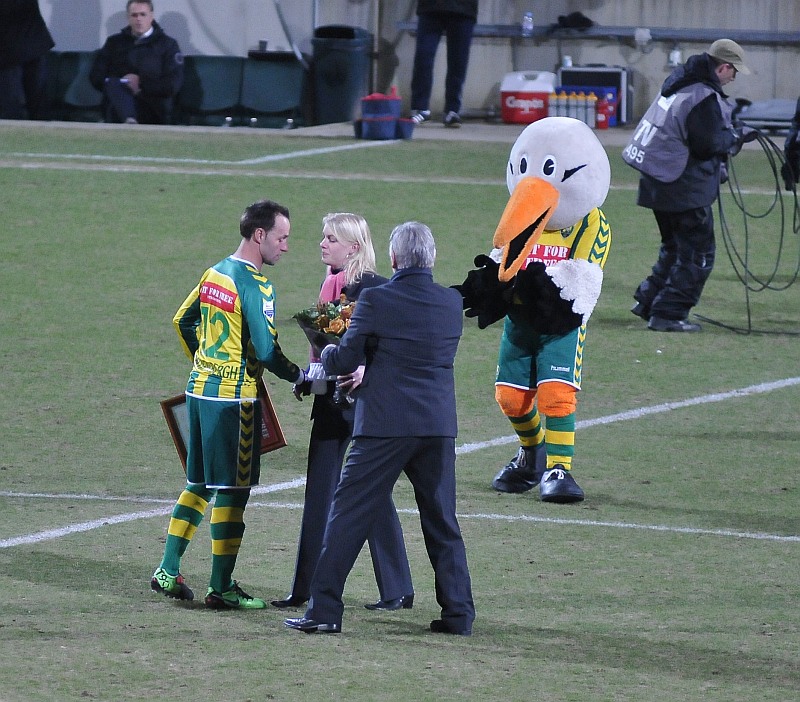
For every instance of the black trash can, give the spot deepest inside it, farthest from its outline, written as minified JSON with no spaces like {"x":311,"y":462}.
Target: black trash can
{"x":341,"y":67}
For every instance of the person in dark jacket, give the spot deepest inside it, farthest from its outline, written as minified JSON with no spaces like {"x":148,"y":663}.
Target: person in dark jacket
{"x":408,"y":330}
{"x":24,"y":43}
{"x":139,"y":69}
{"x":791,"y":152}
{"x":347,"y":251}
{"x":679,"y":147}
{"x":456,"y":20}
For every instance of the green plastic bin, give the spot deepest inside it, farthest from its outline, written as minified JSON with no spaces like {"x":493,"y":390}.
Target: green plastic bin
{"x":341,"y":67}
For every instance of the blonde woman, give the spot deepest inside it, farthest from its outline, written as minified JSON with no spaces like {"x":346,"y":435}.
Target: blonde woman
{"x":347,"y":252}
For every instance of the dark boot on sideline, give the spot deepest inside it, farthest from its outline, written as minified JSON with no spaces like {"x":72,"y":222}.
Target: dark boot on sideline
{"x":523,"y":472}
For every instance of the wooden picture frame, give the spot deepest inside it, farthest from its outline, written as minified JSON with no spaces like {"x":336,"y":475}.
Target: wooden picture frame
{"x":174,"y":409}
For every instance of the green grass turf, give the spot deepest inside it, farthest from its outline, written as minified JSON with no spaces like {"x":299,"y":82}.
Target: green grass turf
{"x":677,"y":578}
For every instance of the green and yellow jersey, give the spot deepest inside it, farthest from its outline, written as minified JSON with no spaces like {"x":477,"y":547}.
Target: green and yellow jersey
{"x":227,"y":326}
{"x":589,"y":239}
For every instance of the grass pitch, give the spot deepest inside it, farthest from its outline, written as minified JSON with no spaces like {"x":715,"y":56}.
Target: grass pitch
{"x":677,"y":578}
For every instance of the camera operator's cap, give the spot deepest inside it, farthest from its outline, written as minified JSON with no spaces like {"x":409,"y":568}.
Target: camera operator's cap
{"x":728,"y":51}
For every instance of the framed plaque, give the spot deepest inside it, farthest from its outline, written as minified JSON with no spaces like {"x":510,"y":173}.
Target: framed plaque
{"x":175,"y":413}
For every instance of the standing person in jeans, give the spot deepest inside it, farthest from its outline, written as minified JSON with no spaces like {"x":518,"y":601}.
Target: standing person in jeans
{"x":456,"y":20}
{"x":139,"y":70}
{"x":679,"y":148}
{"x":347,"y":252}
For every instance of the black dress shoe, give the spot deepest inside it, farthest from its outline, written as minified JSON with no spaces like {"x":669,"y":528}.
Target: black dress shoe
{"x":672,"y":325}
{"x":312,"y":626}
{"x":641,"y":310}
{"x":404,"y":602}
{"x":559,"y":486}
{"x":523,"y":472}
{"x":439,"y":626}
{"x":290,"y":601}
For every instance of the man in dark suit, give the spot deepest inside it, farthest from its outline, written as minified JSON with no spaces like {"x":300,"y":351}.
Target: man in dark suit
{"x":405,"y":421}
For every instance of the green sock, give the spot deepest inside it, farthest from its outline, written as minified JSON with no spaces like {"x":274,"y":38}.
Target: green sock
{"x":186,"y":517}
{"x":227,"y":529}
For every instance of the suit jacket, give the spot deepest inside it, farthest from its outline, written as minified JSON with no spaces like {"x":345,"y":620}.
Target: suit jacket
{"x":157,"y":60}
{"x":408,"y":330}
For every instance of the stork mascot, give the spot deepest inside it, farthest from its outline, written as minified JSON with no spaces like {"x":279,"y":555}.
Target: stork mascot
{"x":544,"y":277}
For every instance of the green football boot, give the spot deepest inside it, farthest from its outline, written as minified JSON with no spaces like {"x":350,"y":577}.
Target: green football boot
{"x":171,"y":585}
{"x":235,"y":598}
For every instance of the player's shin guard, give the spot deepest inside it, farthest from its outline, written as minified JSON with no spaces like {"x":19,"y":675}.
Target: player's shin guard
{"x":186,"y":517}
{"x":227,"y":529}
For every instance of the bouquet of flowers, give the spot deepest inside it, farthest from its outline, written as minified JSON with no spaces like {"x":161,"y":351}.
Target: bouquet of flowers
{"x":326,"y":322}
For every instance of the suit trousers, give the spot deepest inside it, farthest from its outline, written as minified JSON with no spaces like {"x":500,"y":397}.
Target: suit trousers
{"x":330,"y":437}
{"x":365,"y":491}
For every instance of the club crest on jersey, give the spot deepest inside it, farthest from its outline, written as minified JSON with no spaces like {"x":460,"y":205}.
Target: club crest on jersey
{"x":217,"y":296}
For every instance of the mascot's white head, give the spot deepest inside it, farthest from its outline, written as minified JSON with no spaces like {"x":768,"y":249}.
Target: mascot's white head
{"x":558,"y":172}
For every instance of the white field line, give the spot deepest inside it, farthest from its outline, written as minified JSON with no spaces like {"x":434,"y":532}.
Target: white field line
{"x":177,"y":170}
{"x":464,"y":448}
{"x":646,"y":411}
{"x":209,"y":162}
{"x":168,"y":165}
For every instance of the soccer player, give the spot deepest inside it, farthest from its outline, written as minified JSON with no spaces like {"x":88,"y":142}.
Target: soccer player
{"x":226,"y":325}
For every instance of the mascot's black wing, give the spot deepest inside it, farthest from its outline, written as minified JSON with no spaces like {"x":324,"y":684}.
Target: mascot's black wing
{"x":537,"y":301}
{"x":559,"y":298}
{"x":485,"y":297}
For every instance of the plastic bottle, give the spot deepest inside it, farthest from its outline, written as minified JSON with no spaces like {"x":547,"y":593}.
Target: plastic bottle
{"x":526,"y":26}
{"x":580,"y":106}
{"x":603,"y":111}
{"x":591,"y":110}
{"x":561,"y":104}
{"x":552,"y":104}
{"x":572,"y":105}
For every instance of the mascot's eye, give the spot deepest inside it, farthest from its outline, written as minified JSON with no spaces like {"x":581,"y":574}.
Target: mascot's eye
{"x":523,"y":166}
{"x":511,"y":167}
{"x":549,"y":166}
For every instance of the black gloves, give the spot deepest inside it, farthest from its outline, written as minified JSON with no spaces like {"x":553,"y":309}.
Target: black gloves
{"x":743,"y":134}
{"x":485,"y":297}
{"x":747,"y":134}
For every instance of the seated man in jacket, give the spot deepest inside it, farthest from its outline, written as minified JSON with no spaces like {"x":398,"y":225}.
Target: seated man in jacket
{"x":139,"y":70}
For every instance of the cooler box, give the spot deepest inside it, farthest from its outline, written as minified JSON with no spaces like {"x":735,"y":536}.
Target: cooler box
{"x":524,"y":95}
{"x":601,"y":79}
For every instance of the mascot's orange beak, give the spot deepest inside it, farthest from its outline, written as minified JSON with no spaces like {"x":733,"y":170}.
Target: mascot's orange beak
{"x":528,"y":209}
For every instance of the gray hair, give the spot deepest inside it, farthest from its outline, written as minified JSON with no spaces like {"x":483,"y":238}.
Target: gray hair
{"x":411,"y":245}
